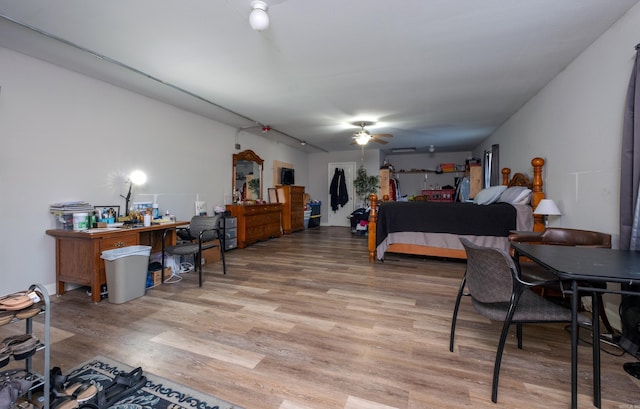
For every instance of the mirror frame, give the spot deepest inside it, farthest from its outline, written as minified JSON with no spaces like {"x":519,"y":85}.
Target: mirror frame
{"x":249,"y":156}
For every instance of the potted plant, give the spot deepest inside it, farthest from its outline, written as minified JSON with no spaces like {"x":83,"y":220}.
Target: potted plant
{"x":254,"y":186}
{"x":365,"y":185}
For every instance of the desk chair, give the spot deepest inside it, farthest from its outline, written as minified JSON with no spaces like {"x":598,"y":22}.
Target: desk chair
{"x":498,"y":293}
{"x":556,"y":236}
{"x":205,"y":234}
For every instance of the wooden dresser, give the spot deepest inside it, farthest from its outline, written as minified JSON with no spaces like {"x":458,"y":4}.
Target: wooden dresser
{"x":292,"y":199}
{"x":257,"y":222}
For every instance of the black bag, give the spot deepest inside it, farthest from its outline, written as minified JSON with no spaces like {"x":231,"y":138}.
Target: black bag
{"x":357,"y":216}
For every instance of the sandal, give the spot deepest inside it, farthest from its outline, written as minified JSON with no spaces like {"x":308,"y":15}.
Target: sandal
{"x":6,"y":316}
{"x":65,"y":402}
{"x":72,"y":396}
{"x":16,"y":301}
{"x":31,"y":311}
{"x":24,"y":404}
{"x":5,"y":354}
{"x":120,"y":387}
{"x":22,"y":346}
{"x":56,"y":382}
{"x":82,"y":391}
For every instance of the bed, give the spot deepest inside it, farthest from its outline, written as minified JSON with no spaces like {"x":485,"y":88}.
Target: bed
{"x":433,"y":229}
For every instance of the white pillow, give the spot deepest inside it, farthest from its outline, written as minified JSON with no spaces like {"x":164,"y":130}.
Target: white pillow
{"x":523,"y":199}
{"x":516,"y":195}
{"x":489,"y":195}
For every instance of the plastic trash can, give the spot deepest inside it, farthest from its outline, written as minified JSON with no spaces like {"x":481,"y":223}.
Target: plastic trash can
{"x":315,"y":214}
{"x":307,"y":216}
{"x":126,"y":270}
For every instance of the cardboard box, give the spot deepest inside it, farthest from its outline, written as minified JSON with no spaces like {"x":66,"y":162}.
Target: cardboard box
{"x":157,"y":275}
{"x":211,"y":255}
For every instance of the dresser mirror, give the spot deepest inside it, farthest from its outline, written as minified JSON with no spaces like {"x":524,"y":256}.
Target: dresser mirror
{"x":247,"y":176}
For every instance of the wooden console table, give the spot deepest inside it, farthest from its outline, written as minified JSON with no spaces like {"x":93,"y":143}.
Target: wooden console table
{"x":257,"y":222}
{"x":78,"y":252}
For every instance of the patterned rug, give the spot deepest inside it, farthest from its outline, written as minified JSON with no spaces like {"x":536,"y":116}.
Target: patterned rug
{"x":158,"y":393}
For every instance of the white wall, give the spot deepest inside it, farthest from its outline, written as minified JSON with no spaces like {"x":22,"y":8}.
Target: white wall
{"x":69,"y":137}
{"x":575,"y":123}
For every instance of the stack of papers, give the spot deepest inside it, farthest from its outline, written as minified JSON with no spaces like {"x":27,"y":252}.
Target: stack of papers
{"x":71,"y":207}
{"x":161,"y":221}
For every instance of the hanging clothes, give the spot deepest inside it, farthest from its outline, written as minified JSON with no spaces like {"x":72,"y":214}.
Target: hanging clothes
{"x":393,"y":189}
{"x":338,"y":190}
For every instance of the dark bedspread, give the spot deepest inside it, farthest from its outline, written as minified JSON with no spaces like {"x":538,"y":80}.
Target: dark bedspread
{"x":456,"y":218}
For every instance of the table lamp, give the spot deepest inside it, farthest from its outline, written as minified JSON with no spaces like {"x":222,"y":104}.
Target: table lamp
{"x":137,"y":177}
{"x":546,"y":208}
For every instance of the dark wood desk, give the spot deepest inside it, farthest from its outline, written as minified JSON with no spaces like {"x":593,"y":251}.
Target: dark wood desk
{"x":78,"y":252}
{"x":581,"y":266}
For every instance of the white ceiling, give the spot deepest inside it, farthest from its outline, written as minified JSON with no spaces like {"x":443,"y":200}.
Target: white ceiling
{"x":441,"y":72}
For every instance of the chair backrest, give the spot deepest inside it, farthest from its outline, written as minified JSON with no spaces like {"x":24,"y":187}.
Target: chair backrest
{"x":200,"y":223}
{"x":575,"y":237}
{"x":489,"y":273}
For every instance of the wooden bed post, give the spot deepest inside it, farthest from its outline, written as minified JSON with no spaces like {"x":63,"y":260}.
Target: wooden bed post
{"x":371,"y":227}
{"x":505,"y":176}
{"x":538,"y":194}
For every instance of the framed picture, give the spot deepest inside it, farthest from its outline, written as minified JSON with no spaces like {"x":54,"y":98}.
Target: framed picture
{"x":273,"y":195}
{"x":107,"y":212}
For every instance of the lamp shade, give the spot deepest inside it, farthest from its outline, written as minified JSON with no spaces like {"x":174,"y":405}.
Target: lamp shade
{"x":547,"y":207}
{"x":259,"y":19}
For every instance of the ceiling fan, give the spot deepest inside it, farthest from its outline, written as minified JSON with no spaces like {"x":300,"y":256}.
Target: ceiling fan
{"x":362,"y":136}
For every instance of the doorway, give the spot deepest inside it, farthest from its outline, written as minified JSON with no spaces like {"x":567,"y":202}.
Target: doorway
{"x":341,"y":216}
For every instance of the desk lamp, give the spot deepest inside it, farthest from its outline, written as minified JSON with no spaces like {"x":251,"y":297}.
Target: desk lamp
{"x":137,"y":177}
{"x":546,"y":208}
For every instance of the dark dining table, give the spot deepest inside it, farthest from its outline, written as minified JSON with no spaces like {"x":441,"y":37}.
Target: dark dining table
{"x":586,"y":269}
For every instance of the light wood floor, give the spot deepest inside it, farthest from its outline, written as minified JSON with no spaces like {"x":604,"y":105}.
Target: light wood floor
{"x":305,"y":321}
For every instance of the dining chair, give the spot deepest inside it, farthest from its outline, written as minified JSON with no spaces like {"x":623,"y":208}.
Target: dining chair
{"x":497,"y":293}
{"x":202,"y":233}
{"x":557,"y":236}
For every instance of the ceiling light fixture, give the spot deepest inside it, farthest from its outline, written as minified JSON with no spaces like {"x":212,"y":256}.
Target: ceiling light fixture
{"x":259,"y":19}
{"x":362,"y":138}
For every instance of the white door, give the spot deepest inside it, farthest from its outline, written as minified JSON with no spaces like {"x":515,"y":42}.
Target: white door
{"x":341,"y":216}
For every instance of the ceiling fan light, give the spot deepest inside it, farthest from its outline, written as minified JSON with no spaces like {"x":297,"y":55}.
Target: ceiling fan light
{"x":362,"y":138}
{"x":259,"y":19}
